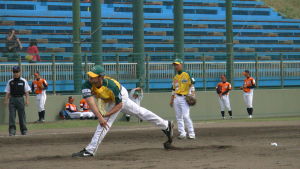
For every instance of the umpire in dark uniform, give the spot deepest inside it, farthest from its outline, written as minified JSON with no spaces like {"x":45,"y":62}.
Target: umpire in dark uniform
{"x":15,"y":90}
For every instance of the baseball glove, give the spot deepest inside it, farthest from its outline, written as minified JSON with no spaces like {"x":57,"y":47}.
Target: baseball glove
{"x":219,"y":90}
{"x":191,"y":101}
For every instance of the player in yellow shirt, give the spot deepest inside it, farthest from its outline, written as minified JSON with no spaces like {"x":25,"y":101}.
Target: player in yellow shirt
{"x":116,"y":98}
{"x":183,"y":85}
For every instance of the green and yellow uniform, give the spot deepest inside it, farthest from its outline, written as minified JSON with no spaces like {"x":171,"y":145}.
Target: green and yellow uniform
{"x":182,"y":82}
{"x":110,"y":91}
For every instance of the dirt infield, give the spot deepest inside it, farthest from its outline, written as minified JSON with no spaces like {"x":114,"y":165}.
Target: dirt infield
{"x":218,"y":146}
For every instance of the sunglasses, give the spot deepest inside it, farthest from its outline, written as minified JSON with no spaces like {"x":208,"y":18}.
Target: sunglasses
{"x":16,"y":71}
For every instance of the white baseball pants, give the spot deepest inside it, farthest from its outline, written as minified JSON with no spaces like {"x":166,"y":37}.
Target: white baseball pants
{"x":248,"y":98}
{"x":78,"y":115}
{"x":224,"y":102}
{"x":182,"y":110}
{"x":40,"y":101}
{"x":129,"y":107}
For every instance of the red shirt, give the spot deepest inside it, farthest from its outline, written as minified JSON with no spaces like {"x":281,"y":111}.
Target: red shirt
{"x":34,"y":51}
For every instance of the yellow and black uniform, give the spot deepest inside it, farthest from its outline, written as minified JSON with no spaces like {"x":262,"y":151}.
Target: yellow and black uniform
{"x":110,"y":91}
{"x":182,"y":82}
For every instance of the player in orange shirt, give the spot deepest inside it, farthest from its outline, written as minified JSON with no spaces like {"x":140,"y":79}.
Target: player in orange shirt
{"x":39,"y":87}
{"x":223,"y":89}
{"x":248,"y":88}
{"x":84,"y":106}
{"x":85,"y":110}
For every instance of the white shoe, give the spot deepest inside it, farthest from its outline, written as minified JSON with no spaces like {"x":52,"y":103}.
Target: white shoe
{"x":181,"y":137}
{"x":192,"y":136}
{"x":250,"y":116}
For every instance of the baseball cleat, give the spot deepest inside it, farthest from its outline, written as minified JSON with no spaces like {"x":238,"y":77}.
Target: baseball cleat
{"x":169,"y":131}
{"x":82,"y":153}
{"x":181,"y":137}
{"x":192,"y":136}
{"x":250,"y":116}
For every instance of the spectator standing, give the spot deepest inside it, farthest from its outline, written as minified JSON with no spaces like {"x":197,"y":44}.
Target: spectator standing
{"x":15,"y":90}
{"x":13,"y":43}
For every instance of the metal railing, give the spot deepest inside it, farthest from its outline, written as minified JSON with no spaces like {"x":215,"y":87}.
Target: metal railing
{"x":204,"y":72}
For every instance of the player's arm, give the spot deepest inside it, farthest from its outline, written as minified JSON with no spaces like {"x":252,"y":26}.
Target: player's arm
{"x":114,"y":110}
{"x":45,"y":85}
{"x":93,"y":107}
{"x":7,"y":96}
{"x":253,"y":85}
{"x":88,"y":96}
{"x":192,"y":89}
{"x":20,"y":44}
{"x":228,"y":89}
{"x":172,"y":96}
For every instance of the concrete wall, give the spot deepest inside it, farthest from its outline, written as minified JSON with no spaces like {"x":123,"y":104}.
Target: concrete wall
{"x":267,"y":103}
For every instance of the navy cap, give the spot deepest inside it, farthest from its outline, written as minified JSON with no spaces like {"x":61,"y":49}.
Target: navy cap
{"x":16,"y":69}
{"x":247,"y":71}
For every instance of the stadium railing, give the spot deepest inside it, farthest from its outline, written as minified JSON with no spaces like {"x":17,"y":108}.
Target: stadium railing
{"x":268,"y":73}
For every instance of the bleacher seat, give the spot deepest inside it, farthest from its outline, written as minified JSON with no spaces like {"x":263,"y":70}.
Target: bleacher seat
{"x":256,"y":26}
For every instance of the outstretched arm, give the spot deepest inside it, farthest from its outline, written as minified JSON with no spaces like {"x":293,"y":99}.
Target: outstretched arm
{"x":92,"y":104}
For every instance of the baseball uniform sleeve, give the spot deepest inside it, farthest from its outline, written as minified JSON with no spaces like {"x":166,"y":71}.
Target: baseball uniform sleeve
{"x":45,"y":84}
{"x":86,"y":89}
{"x":192,"y":78}
{"x":117,"y":93}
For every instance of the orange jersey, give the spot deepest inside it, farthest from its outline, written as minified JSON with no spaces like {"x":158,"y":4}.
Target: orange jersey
{"x":39,"y":85}
{"x":249,"y":83}
{"x":223,"y":87}
{"x":71,"y":107}
{"x":84,"y":105}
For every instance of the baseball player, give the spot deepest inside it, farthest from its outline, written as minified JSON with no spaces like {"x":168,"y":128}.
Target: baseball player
{"x":136,"y":95}
{"x":223,"y":89}
{"x":183,"y":85}
{"x":248,"y":87}
{"x":85,"y":109}
{"x":39,"y":87}
{"x":117,"y":100}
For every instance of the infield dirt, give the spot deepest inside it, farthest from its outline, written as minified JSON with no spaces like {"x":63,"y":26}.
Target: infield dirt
{"x":230,"y":145}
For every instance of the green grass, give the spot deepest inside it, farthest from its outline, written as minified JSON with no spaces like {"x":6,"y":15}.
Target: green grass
{"x":288,"y":8}
{"x":65,"y":124}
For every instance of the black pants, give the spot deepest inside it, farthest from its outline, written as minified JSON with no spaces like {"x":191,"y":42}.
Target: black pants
{"x":17,"y":104}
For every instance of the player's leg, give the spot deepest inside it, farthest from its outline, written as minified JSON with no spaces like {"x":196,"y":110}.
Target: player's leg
{"x":179,"y":118}
{"x":250,"y":101}
{"x":22,"y":116}
{"x":75,"y":115}
{"x":187,"y":119}
{"x":12,"y":117}
{"x":100,"y":134}
{"x":42,"y":106}
{"x":227,"y":105}
{"x":38,"y":102}
{"x":222,"y":106}
{"x":130,"y":107}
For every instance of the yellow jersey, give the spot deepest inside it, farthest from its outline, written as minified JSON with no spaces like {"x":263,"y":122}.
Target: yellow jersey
{"x":182,"y":82}
{"x":110,"y":91}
